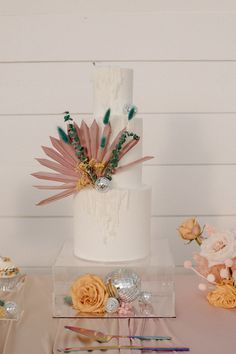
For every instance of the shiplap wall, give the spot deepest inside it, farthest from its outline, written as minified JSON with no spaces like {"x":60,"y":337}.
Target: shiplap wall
{"x":183,"y":54}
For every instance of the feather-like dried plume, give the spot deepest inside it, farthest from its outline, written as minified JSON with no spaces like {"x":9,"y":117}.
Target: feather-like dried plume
{"x":82,"y":155}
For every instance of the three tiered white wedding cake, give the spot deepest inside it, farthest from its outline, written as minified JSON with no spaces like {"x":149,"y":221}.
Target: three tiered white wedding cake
{"x":115,"y":226}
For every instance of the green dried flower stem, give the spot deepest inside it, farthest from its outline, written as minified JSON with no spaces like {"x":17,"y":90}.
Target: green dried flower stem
{"x":67,"y":116}
{"x":79,"y":150}
{"x":132,"y":113}
{"x":106,"y":117}
{"x":114,"y":159}
{"x":103,"y":142}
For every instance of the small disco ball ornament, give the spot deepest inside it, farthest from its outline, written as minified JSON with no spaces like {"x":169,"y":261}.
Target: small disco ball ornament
{"x":145,"y":297}
{"x":102,"y":184}
{"x":127,"y":108}
{"x":11,"y":308}
{"x":112,"y":305}
{"x":126,"y":283}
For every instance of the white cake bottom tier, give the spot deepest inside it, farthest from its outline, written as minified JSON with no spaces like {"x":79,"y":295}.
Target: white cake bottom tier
{"x":112,"y":226}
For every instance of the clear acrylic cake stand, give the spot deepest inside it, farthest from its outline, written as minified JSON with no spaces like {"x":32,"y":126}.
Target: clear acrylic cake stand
{"x":15,"y":296}
{"x":156,"y":273}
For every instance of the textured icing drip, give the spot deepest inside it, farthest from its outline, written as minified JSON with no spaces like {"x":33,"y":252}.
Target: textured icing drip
{"x":106,"y":208}
{"x":114,"y":226}
{"x":112,"y":89}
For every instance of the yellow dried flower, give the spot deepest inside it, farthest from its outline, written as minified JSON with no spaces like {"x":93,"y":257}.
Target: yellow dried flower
{"x":89,"y":294}
{"x":224,"y":295}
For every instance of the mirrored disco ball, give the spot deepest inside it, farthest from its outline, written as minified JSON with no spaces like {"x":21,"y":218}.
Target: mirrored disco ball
{"x":112,"y":305}
{"x":126,"y":282}
{"x":102,"y":184}
{"x":11,"y":308}
{"x":145,"y":297}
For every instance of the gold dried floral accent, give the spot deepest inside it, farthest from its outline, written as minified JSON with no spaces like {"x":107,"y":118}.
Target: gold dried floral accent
{"x":97,"y":166}
{"x":111,"y":289}
{"x":83,"y":167}
{"x":89,"y":294}
{"x":82,"y":182}
{"x":224,"y":295}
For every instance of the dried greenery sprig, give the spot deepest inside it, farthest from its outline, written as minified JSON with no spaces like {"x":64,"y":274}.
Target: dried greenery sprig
{"x":114,"y":160}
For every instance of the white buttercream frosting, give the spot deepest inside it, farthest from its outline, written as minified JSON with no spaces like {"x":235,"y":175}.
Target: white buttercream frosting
{"x":114,"y":226}
{"x":113,"y":88}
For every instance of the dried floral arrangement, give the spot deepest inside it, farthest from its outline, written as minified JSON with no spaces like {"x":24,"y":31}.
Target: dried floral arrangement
{"x":82,"y":157}
{"x":216,"y":261}
{"x":114,"y":293}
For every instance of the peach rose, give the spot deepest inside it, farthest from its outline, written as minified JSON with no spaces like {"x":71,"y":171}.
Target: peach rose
{"x":89,"y":294}
{"x":223,"y":296}
{"x":190,"y":230}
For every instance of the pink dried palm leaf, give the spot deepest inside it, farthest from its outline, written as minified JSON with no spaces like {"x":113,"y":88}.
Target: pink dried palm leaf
{"x":85,"y":138}
{"x":54,"y":177}
{"x":53,"y":154}
{"x":58,"y":167}
{"x":64,"y":149}
{"x":58,"y":196}
{"x":62,"y":186}
{"x":112,"y":146}
{"x":133,"y":163}
{"x":68,"y":149}
{"x":94,"y":139}
{"x":106,"y":134}
{"x":127,"y":147}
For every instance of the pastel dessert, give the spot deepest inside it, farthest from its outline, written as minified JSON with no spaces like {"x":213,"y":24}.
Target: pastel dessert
{"x":9,"y":274}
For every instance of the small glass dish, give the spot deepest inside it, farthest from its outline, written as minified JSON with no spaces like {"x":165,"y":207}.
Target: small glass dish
{"x":12,"y":297}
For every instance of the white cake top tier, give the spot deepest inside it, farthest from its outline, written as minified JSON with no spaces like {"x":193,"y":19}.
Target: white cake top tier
{"x":113,"y":88}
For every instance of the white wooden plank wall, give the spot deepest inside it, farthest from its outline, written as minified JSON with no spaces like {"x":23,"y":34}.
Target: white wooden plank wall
{"x":184,"y":58}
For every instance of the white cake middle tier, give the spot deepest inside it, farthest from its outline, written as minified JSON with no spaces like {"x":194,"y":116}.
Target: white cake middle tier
{"x":112,"y":226}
